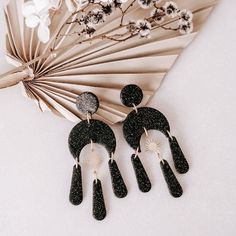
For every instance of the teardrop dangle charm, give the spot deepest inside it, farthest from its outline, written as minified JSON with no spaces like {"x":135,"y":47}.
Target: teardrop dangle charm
{"x":173,"y":184}
{"x":180,"y":162}
{"x":76,"y":190}
{"x":143,"y":180}
{"x":118,"y":184}
{"x":99,"y":208}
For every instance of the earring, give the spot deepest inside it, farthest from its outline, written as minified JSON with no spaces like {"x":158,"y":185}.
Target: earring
{"x":140,"y":121}
{"x":90,"y":131}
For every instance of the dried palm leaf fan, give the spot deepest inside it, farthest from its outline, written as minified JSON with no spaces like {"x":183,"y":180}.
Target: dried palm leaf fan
{"x":101,"y":58}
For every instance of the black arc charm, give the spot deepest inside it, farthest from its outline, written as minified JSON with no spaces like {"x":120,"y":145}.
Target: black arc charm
{"x":145,"y":117}
{"x":95,"y":130}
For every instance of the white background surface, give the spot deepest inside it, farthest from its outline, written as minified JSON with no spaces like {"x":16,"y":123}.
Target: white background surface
{"x":199,"y":99}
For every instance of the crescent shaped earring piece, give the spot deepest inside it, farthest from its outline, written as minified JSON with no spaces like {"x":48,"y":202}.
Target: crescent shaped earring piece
{"x":139,"y":122}
{"x":91,"y":131}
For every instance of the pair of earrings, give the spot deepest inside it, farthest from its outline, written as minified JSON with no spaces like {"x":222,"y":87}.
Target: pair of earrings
{"x":138,"y":122}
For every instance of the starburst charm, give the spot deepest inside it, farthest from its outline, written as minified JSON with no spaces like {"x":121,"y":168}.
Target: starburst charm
{"x":153,"y":146}
{"x":94,"y":161}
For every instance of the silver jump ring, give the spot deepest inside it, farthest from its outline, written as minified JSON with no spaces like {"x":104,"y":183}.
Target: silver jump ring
{"x":76,"y":162}
{"x":88,"y":116}
{"x":135,"y":108}
{"x":95,"y":176}
{"x":112,"y":157}
{"x":170,"y":136}
{"x":136,"y":152}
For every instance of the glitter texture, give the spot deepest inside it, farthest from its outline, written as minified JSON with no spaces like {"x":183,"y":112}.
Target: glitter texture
{"x":95,"y":130}
{"x":174,"y":186}
{"x":76,"y":190}
{"x":87,"y":103}
{"x":131,"y":95}
{"x":146,"y":117}
{"x":99,"y":208}
{"x":118,"y":184}
{"x":181,"y":164}
{"x":143,"y":180}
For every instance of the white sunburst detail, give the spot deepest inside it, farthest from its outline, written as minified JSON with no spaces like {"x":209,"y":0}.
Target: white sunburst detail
{"x":94,"y":161}
{"x":152,"y":145}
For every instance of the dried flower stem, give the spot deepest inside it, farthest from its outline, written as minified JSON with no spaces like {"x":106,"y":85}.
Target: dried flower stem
{"x":62,"y":27}
{"x":124,"y":11}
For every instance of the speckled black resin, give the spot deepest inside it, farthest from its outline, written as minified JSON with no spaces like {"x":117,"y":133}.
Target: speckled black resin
{"x":97,"y":131}
{"x":147,"y":117}
{"x":76,"y":190}
{"x":131,"y":95}
{"x":174,"y":187}
{"x":118,"y":184}
{"x":180,"y":161}
{"x":143,"y":180}
{"x":87,"y":102}
{"x":99,"y":208}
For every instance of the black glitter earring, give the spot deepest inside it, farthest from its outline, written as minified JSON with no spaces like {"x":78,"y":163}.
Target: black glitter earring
{"x":140,"y":121}
{"x":90,"y":131}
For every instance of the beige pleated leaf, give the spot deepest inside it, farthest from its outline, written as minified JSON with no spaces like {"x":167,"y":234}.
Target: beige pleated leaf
{"x":102,"y":67}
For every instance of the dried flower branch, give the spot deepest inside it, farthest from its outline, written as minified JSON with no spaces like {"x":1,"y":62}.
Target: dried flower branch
{"x":89,"y":14}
